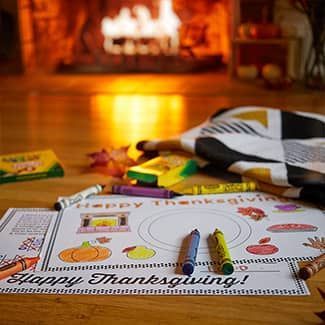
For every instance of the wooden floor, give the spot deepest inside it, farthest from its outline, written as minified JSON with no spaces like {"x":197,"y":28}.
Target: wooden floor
{"x":78,"y":114}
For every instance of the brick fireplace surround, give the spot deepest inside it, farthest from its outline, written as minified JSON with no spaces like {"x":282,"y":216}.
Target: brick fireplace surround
{"x":67,"y":33}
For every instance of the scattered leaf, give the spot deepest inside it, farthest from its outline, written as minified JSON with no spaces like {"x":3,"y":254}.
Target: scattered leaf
{"x":321,"y":314}
{"x":112,"y":162}
{"x":100,"y":158}
{"x":120,"y":155}
{"x":322,"y":293}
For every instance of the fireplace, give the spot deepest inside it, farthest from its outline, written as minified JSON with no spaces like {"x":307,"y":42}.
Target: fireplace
{"x":124,"y":35}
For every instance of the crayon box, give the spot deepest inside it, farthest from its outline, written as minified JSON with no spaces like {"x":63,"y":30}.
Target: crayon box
{"x":163,"y":171}
{"x":29,"y":165}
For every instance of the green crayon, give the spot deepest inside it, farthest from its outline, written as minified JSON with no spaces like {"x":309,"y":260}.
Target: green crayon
{"x":226,"y":265}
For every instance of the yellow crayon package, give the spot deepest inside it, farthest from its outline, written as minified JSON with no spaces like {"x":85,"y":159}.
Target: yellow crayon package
{"x":29,"y":165}
{"x":164,"y":170}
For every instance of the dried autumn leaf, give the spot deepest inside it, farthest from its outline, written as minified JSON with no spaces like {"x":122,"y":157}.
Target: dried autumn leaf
{"x":116,"y":169}
{"x":112,"y":162}
{"x":100,"y":158}
{"x":120,"y":155}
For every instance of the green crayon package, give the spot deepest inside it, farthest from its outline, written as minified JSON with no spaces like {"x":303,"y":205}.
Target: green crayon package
{"x":29,"y":165}
{"x":165,"y":170}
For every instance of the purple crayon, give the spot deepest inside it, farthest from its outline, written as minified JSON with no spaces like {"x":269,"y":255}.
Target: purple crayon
{"x":144,"y":191}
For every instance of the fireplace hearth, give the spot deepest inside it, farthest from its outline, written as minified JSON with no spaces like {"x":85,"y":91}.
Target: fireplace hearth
{"x":124,"y":36}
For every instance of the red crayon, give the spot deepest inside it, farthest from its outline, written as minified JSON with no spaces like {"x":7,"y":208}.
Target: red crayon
{"x":18,"y":266}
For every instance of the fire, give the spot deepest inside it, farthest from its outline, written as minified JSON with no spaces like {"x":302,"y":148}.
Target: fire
{"x":136,"y":32}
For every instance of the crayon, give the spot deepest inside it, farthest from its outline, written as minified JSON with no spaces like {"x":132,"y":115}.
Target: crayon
{"x":71,"y":200}
{"x":312,"y":267}
{"x":225,"y":262}
{"x":220,"y":188}
{"x":189,"y":262}
{"x":18,"y":266}
{"x":144,"y":191}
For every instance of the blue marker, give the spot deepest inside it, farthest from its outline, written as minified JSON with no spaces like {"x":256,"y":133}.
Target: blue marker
{"x":189,"y":263}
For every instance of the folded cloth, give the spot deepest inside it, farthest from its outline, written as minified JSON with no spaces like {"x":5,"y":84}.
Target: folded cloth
{"x":284,"y":152}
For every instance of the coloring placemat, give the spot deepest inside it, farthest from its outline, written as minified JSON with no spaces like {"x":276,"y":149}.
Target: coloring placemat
{"x":278,"y":278}
{"x":133,"y":245}
{"x":22,"y":233}
{"x":147,"y":232}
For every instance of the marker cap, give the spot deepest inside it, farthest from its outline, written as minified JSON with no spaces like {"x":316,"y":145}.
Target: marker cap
{"x":57,"y":206}
{"x":304,"y":274}
{"x":188,"y":268}
{"x":227,"y":269}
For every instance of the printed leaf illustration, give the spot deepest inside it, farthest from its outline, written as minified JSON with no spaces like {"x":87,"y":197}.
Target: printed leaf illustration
{"x":103,"y":240}
{"x":318,"y":243}
{"x":254,"y":213}
{"x":128,"y":249}
{"x":85,"y":244}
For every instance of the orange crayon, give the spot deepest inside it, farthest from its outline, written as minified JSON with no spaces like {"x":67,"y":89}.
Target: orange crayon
{"x":313,"y":267}
{"x":18,"y":266}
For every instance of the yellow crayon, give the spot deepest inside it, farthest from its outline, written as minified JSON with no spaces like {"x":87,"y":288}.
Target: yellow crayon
{"x":220,"y":188}
{"x":223,"y":254}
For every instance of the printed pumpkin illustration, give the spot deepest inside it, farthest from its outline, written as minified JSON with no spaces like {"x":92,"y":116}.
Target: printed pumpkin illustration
{"x":139,"y":252}
{"x":85,"y":253}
